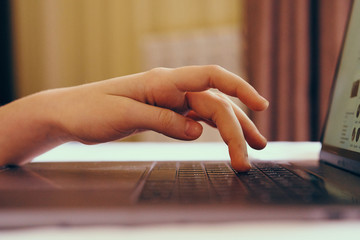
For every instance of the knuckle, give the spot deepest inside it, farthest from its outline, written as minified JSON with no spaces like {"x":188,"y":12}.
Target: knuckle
{"x":157,"y":73}
{"x":222,"y":107}
{"x":166,"y":118}
{"x":223,"y":102}
{"x":214,"y":68}
{"x":213,"y":71}
{"x":221,"y":96}
{"x":155,"y":77}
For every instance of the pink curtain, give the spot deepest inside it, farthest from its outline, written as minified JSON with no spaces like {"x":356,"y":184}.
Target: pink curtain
{"x":333,"y":20}
{"x":292,"y":48}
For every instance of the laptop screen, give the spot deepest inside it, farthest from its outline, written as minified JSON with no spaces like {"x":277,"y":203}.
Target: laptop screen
{"x":342,"y":131}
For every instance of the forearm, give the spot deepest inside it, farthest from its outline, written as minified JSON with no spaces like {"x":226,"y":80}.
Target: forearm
{"x":27,"y":129}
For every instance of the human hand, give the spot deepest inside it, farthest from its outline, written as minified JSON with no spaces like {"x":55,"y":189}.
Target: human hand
{"x":168,"y":101}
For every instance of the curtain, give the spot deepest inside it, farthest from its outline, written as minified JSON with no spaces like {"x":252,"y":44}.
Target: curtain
{"x":59,"y":43}
{"x":291,"y":51}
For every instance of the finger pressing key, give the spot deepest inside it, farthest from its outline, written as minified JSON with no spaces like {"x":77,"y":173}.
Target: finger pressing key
{"x":216,"y":109}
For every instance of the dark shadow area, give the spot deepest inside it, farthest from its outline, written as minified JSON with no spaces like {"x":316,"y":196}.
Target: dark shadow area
{"x":6,"y":69}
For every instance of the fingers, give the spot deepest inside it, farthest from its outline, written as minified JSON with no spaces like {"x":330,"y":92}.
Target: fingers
{"x":210,"y":106}
{"x":251,"y":133}
{"x":163,"y":121}
{"x":200,"y":78}
{"x":193,"y":115}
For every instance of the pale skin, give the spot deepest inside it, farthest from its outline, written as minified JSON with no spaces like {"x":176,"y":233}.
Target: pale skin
{"x":168,"y":101}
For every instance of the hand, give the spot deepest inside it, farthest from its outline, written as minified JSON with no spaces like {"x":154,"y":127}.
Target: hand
{"x":168,"y":101}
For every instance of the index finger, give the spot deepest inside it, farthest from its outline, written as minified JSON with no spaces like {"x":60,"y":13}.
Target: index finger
{"x":200,"y":78}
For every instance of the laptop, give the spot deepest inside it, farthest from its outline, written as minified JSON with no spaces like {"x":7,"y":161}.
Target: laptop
{"x":135,"y":192}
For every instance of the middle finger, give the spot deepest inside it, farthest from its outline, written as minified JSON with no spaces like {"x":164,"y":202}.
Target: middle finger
{"x":220,"y":111}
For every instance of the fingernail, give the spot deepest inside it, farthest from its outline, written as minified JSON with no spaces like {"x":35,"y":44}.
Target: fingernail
{"x":193,"y":129}
{"x":245,"y":167}
{"x":263,"y":141}
{"x":247,"y":162}
{"x":249,"y":165}
{"x":266,"y":102}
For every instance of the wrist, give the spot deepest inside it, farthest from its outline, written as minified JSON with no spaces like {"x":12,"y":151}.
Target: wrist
{"x":28,"y":127}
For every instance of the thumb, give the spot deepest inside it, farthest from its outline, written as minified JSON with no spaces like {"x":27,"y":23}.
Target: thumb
{"x":167,"y":122}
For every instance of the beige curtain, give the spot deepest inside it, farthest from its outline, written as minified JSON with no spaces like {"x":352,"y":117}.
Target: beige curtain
{"x":292,"y":48}
{"x":61,"y":43}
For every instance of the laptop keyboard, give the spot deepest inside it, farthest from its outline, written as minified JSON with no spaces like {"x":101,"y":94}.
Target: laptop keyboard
{"x":208,"y":182}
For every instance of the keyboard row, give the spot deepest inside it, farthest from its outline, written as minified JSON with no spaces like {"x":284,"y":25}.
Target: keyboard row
{"x":206,"y":182}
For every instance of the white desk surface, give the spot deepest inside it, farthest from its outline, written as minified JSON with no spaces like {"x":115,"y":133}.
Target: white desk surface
{"x":188,"y":151}
{"x":155,"y":151}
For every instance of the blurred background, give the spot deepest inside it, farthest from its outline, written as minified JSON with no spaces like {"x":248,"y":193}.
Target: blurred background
{"x":287,"y":49}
